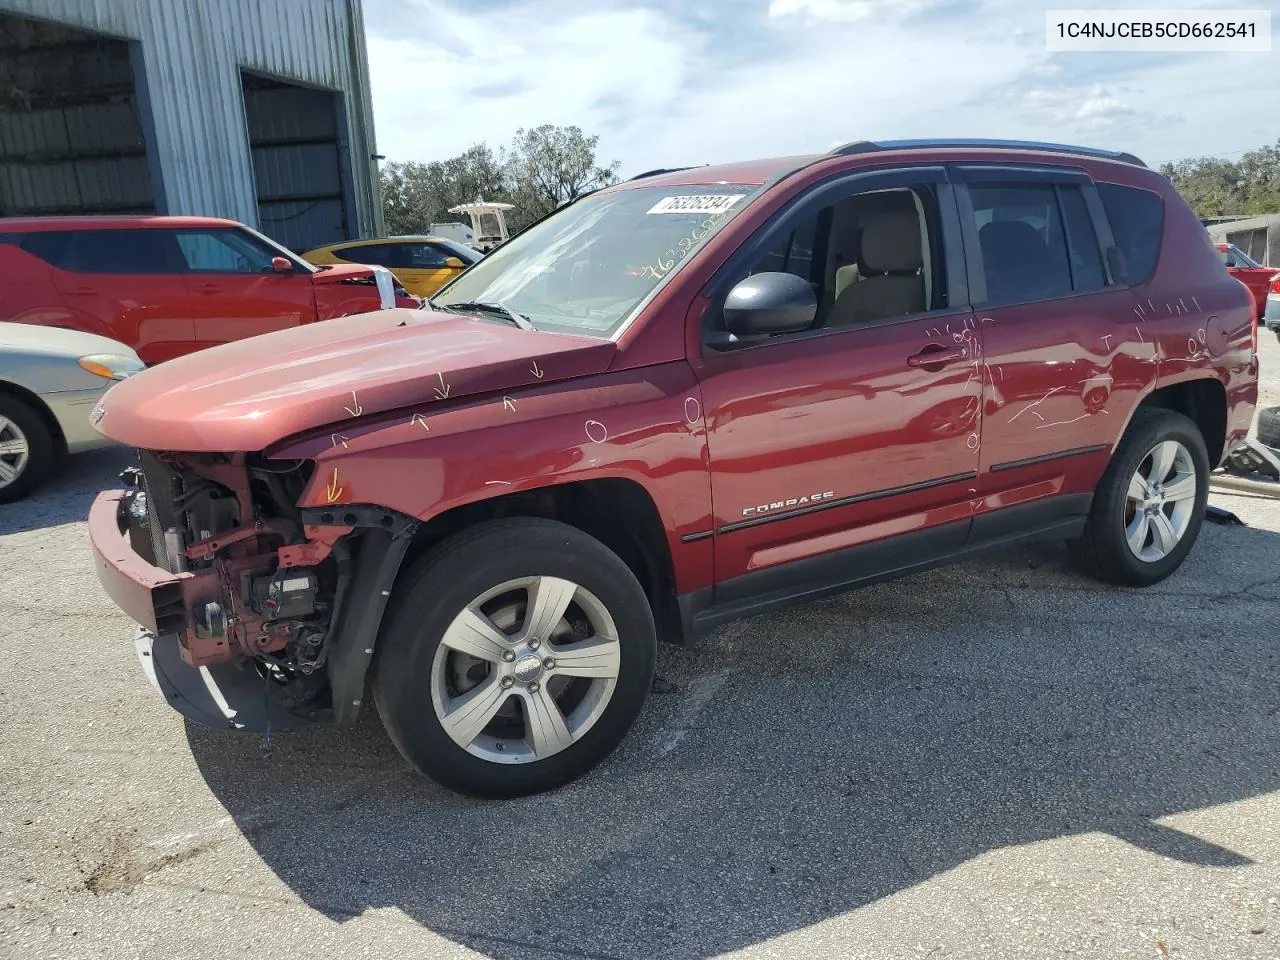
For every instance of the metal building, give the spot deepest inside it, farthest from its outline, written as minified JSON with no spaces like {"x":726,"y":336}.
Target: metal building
{"x":257,"y":110}
{"x":1258,"y":237}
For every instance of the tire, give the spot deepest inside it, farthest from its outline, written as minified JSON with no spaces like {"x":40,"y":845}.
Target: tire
{"x":21,"y":473}
{"x":1269,"y":427}
{"x":1104,"y":551}
{"x":497,"y":568}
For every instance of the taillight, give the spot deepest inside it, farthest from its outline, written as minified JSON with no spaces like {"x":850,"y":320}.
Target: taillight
{"x":1275,"y":285}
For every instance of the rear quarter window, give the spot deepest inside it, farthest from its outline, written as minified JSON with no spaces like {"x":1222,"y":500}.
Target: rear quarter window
{"x":50,"y":246}
{"x":1137,"y":222}
{"x":131,"y":251}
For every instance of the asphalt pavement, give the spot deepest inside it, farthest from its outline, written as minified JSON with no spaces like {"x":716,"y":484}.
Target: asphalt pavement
{"x":997,"y":759}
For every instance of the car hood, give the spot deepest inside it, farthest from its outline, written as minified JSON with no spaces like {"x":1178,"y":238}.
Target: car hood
{"x":31,"y":338}
{"x":340,"y":272}
{"x":249,"y":394}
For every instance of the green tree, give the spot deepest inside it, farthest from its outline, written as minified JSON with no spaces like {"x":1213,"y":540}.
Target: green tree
{"x":415,"y":195}
{"x":1219,"y":188}
{"x":543,"y":167}
{"x":550,"y":165}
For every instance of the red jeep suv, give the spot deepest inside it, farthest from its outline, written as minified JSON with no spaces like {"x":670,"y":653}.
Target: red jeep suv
{"x":692,"y":396}
{"x":171,"y":285}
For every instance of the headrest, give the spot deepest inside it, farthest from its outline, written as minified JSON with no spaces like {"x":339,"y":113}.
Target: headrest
{"x":1009,"y":240}
{"x":891,"y":242}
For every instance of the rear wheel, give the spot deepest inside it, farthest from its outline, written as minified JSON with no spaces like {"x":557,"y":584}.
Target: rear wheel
{"x":1269,"y":427}
{"x":27,"y":449}
{"x":514,"y":658}
{"x":1150,"y":504}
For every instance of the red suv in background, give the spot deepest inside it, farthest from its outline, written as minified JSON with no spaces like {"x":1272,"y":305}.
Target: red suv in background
{"x":682,"y":399}
{"x":167,"y":286}
{"x":1249,"y":272}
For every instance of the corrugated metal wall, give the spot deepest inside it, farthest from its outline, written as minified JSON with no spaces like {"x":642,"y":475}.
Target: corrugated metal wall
{"x":193,"y":52}
{"x":71,"y":136}
{"x":297,"y":163}
{"x":1259,"y":237}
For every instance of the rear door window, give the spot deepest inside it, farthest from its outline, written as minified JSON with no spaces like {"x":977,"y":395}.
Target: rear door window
{"x":48,"y":245}
{"x":107,"y":251}
{"x":1021,"y":241}
{"x":1087,"y":272}
{"x":1137,"y":221}
{"x":377,"y":254}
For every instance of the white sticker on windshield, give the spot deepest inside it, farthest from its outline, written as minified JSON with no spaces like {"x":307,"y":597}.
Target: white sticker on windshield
{"x":702,"y":203}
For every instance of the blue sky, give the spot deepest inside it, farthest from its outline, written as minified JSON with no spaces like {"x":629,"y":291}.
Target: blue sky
{"x":667,"y":83}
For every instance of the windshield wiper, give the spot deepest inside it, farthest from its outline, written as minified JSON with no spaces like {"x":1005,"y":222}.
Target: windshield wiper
{"x":496,"y":308}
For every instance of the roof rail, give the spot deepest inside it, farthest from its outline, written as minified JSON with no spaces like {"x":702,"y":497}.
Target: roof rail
{"x":868,"y":146}
{"x":654,"y":173}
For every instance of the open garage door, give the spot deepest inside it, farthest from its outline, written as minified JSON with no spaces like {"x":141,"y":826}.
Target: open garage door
{"x":297,"y":138}
{"x":71,"y":129}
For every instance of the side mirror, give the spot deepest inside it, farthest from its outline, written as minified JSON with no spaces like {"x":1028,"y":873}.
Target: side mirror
{"x":768,"y":303}
{"x":453,"y":263}
{"x":281,"y":265}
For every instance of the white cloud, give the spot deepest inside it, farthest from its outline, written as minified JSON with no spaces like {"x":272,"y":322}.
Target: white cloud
{"x":1103,"y":107}
{"x":1089,"y":113}
{"x":1047,"y":68}
{"x":479,"y":77}
{"x":850,"y":10}
{"x":666,"y":86}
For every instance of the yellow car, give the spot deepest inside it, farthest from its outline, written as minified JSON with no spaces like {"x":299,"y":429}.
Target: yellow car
{"x":422,"y":264}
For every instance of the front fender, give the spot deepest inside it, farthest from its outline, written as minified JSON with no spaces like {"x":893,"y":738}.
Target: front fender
{"x":644,"y":425}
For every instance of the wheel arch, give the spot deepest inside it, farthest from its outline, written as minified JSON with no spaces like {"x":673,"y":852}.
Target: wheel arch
{"x":10,"y":389}
{"x":1202,"y":400}
{"x":617,"y":511}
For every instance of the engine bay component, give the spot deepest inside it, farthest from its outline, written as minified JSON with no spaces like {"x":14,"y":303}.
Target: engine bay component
{"x":211,"y":621}
{"x":284,"y":595}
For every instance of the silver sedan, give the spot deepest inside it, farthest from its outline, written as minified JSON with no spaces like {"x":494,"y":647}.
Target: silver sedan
{"x":1271,"y":315}
{"x":50,"y":380}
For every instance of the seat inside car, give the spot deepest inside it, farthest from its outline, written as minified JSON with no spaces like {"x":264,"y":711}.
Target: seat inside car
{"x":1018,"y":264}
{"x":885,"y":277}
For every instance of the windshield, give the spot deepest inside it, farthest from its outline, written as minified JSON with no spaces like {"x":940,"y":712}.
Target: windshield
{"x":489,"y":228}
{"x":586,"y":267}
{"x":1235,"y":257}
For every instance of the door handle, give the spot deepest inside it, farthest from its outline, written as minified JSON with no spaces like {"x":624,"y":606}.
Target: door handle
{"x":935,"y":356}
{"x":84,"y":291}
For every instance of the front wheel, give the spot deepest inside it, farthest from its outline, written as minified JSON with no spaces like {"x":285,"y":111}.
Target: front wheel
{"x":1150,"y":503}
{"x":27,"y":449}
{"x":515,"y":657}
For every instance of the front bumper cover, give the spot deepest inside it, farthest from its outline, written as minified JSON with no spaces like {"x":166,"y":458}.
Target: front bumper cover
{"x":233,"y":695}
{"x":229,"y":696}
{"x":155,"y":598}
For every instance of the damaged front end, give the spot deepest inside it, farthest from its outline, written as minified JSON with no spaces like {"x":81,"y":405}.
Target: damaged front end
{"x":255,"y":614}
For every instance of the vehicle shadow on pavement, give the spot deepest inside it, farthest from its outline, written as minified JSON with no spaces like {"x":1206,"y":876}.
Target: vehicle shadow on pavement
{"x":811,"y":762}
{"x":66,"y":497}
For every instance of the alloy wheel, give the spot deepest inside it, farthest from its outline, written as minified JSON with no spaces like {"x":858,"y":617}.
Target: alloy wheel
{"x":1160,"y":501}
{"x":525,"y":670}
{"x":14,"y":451}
